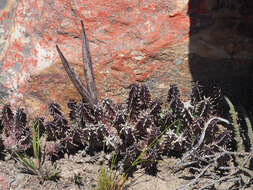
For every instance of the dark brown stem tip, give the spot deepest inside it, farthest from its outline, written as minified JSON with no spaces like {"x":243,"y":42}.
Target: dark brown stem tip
{"x":58,"y":49}
{"x":83,"y":29}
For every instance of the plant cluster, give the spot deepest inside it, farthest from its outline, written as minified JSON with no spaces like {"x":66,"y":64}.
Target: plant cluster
{"x":17,"y":134}
{"x":139,"y":132}
{"x":34,"y":166}
{"x":126,"y":128}
{"x":1,"y":145}
{"x":193,"y":115}
{"x":231,"y":167}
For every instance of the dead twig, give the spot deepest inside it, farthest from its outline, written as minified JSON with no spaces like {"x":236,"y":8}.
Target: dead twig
{"x":202,"y":137}
{"x":195,"y":180}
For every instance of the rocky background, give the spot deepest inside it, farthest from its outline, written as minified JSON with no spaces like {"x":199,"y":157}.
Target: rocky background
{"x":156,"y":42}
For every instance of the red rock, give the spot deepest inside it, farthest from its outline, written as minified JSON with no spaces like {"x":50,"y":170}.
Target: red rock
{"x":129,"y":41}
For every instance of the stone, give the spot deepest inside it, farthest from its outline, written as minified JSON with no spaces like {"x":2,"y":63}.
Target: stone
{"x":152,"y":42}
{"x":3,"y":181}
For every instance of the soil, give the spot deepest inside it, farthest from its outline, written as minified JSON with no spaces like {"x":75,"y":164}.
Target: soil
{"x":82,"y":172}
{"x":78,"y":172}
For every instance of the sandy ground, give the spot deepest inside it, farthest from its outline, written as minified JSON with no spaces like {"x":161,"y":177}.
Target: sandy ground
{"x":78,"y":172}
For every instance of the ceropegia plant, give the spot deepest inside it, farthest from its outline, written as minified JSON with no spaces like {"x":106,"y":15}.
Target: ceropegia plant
{"x":128,"y":128}
{"x":118,"y":126}
{"x":17,"y":134}
{"x":193,"y":115}
{"x":1,"y":142}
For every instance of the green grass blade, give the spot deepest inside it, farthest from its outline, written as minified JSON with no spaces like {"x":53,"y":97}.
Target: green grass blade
{"x":29,"y":164}
{"x":35,"y":142}
{"x":38,"y":141}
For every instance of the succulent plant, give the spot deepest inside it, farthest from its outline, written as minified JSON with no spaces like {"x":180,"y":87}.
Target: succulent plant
{"x":56,"y":129}
{"x":153,"y":153}
{"x":131,"y":154}
{"x":7,"y":119}
{"x":18,"y":135}
{"x":197,"y":93}
{"x":117,"y":126}
{"x":1,"y":145}
{"x":62,"y":137}
{"x":53,"y":150}
{"x":192,"y":115}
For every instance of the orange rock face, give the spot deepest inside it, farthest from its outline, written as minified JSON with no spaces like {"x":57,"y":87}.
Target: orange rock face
{"x":130,"y":41}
